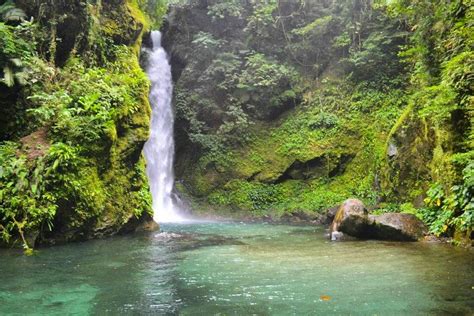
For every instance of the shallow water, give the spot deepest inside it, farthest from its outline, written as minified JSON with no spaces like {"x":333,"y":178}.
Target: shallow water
{"x":238,"y":269}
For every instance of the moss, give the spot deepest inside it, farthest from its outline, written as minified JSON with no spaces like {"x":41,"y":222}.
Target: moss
{"x":96,"y":115}
{"x":343,"y":159}
{"x":141,"y":19}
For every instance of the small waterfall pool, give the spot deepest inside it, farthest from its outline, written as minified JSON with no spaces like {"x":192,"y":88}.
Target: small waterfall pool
{"x":238,"y":269}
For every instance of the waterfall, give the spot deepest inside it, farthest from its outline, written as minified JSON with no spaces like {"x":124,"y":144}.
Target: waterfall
{"x":159,"y":149}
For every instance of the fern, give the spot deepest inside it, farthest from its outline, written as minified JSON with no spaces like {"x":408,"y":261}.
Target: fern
{"x":10,"y":13}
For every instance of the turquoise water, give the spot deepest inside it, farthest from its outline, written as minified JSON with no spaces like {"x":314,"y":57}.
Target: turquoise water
{"x":238,"y":269}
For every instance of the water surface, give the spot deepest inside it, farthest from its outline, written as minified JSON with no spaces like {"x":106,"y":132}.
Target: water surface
{"x":238,"y":269}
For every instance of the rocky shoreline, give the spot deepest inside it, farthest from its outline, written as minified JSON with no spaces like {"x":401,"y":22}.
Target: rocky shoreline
{"x":325,"y":219}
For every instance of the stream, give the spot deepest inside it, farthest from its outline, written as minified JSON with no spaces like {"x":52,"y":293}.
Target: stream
{"x":231,"y":268}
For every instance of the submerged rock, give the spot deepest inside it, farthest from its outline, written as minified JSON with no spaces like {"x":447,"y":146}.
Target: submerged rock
{"x":396,"y":226}
{"x":335,"y":235}
{"x":352,"y":219}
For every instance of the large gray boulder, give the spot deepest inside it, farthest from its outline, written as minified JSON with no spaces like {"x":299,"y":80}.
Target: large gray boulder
{"x":353,"y":219}
{"x":396,"y":226}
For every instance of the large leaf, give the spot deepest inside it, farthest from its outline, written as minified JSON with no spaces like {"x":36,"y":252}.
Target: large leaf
{"x":14,"y":15}
{"x":8,"y":77}
{"x":10,"y":13}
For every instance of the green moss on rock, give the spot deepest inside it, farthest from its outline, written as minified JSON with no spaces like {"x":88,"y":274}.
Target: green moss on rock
{"x":92,"y":107}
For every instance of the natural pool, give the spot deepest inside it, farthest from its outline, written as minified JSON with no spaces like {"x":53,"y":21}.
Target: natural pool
{"x":238,"y":269}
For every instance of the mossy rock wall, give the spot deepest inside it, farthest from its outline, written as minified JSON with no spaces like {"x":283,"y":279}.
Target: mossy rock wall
{"x":88,"y":95}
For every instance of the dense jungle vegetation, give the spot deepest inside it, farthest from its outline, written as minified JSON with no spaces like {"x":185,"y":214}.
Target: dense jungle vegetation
{"x":283,"y":108}
{"x":74,"y":118}
{"x":290,"y":107}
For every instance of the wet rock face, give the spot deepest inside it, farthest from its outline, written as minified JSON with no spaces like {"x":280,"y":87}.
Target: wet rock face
{"x":352,"y":219}
{"x":396,"y":226}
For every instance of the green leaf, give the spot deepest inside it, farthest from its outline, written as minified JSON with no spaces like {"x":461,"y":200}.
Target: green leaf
{"x":8,"y":77}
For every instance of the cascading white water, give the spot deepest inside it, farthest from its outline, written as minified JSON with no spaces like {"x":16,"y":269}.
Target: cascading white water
{"x":159,"y":149}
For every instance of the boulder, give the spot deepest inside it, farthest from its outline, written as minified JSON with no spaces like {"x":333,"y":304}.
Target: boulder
{"x":396,"y":226}
{"x":351,"y":218}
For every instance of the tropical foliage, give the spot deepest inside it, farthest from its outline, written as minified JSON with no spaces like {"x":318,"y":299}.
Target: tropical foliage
{"x":314,"y":102}
{"x":281,"y":107}
{"x":75,"y":119}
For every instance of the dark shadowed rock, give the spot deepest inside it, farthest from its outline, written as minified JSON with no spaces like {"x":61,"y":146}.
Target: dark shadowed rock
{"x":296,"y":217}
{"x":329,"y":215}
{"x":396,"y":226}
